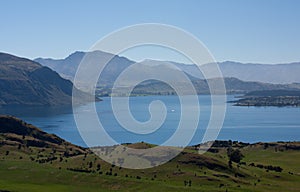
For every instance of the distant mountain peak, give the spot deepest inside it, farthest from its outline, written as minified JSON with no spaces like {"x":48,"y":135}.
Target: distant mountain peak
{"x":267,"y":73}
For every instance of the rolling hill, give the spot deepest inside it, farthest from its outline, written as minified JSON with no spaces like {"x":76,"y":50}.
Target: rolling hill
{"x":33,"y":160}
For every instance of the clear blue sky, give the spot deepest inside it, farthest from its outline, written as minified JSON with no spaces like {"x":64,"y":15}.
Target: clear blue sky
{"x":265,"y":31}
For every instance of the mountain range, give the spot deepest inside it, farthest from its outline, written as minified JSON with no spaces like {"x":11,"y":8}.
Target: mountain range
{"x":238,"y":77}
{"x":26,"y":82}
{"x":266,"y":73}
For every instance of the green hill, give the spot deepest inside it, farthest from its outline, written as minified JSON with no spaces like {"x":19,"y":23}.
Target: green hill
{"x":32,"y":160}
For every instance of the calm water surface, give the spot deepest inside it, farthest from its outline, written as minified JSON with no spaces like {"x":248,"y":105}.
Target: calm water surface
{"x":247,"y":124}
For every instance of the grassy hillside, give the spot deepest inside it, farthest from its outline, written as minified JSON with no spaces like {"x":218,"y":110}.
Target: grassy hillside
{"x":52,"y":164}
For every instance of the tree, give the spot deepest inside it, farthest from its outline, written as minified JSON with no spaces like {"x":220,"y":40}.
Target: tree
{"x":98,"y":167}
{"x":266,"y":145}
{"x":234,"y":155}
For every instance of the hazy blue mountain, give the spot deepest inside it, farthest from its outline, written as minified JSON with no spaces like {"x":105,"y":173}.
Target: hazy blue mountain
{"x":280,"y":73}
{"x":25,"y":82}
{"x":268,"y":73}
{"x":239,"y":78}
{"x":67,"y":67}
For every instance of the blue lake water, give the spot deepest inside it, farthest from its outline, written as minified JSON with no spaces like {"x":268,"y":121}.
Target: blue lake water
{"x":247,"y":124}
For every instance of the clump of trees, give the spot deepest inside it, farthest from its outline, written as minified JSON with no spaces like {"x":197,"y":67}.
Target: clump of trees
{"x":267,"y":167}
{"x":234,"y":155}
{"x":79,"y":170}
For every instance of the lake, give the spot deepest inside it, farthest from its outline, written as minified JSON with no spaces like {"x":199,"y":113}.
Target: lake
{"x":246,"y":124}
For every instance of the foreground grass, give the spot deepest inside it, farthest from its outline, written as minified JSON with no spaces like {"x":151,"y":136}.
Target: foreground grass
{"x":21,"y":170}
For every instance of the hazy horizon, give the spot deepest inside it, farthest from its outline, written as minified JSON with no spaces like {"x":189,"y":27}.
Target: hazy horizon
{"x":187,"y":62}
{"x":247,"y":32}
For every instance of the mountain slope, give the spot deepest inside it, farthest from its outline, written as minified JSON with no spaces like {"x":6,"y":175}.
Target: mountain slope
{"x":238,"y":77}
{"x":25,"y":82}
{"x":67,"y":67}
{"x":267,"y":73}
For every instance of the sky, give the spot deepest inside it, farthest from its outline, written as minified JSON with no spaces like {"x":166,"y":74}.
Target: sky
{"x":256,"y":31}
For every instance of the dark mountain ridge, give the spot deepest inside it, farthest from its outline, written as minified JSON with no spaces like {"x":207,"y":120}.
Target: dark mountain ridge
{"x":25,"y":82}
